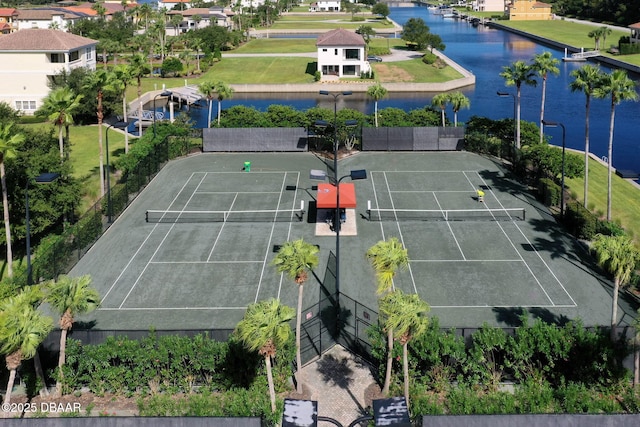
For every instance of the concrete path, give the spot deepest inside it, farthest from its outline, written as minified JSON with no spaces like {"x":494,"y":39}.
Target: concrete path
{"x":342,"y":384}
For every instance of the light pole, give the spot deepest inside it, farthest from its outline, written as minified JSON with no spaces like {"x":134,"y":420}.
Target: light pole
{"x":117,"y":125}
{"x":555,"y":125}
{"x":43,"y":178}
{"x":335,"y":125}
{"x":165,"y":94}
{"x":503,"y":95}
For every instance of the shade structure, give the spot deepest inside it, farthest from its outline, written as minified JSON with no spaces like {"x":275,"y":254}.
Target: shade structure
{"x":327,"y":196}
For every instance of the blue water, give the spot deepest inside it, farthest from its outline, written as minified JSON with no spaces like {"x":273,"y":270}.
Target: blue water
{"x":484,"y":52}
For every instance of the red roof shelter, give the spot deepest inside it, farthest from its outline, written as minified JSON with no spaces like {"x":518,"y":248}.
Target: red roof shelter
{"x":327,"y":196}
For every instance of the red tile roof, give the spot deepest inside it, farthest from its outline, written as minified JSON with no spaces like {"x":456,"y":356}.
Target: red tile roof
{"x":340,"y":37}
{"x":43,"y":40}
{"x":8,"y":11}
{"x":635,"y":26}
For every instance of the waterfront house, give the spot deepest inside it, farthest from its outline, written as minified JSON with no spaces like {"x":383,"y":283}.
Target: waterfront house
{"x":325,"y":6}
{"x":488,"y":5}
{"x":529,"y":10}
{"x":635,"y":33}
{"x":30,"y":59}
{"x":341,"y":53}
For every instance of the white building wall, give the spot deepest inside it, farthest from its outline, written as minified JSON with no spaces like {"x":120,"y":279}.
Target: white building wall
{"x":24,"y":76}
{"x":336,"y":56}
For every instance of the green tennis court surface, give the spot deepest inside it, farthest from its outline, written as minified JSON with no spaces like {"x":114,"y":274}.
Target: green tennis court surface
{"x":195,"y":248}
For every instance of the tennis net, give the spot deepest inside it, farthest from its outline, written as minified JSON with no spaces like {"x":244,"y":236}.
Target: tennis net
{"x":505,"y":214}
{"x":272,"y":215}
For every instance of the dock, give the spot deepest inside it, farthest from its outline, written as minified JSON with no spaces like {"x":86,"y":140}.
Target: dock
{"x":580,"y":56}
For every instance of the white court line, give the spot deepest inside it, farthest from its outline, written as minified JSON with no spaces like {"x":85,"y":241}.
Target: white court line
{"x":205,"y":262}
{"x":295,"y":198}
{"x":464,"y":258}
{"x":235,"y":192}
{"x":504,"y":306}
{"x":429,"y":191}
{"x":160,"y":245}
{"x":512,"y":244}
{"x":146,"y":239}
{"x":215,"y":242}
{"x":413,"y":280}
{"x":170,"y":308}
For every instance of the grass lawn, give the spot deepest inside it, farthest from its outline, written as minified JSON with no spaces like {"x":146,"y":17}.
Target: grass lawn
{"x":573,"y":34}
{"x":327,"y":25}
{"x":277,"y":46}
{"x":412,"y":71}
{"x":625,"y":204}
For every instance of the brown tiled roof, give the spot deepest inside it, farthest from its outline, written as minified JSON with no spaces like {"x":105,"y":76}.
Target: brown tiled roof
{"x":43,"y":40}
{"x":47,"y":13}
{"x":8,"y":11}
{"x":340,"y":37}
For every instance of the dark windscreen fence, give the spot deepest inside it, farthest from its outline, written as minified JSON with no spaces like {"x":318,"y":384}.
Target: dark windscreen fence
{"x":383,"y":214}
{"x":178,"y":217}
{"x":254,"y":139}
{"x":412,"y":138}
{"x":532,"y":420}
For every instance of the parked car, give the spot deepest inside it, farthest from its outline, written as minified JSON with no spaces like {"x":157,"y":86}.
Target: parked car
{"x":373,"y":58}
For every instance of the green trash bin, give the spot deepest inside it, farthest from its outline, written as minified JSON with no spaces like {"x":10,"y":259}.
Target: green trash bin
{"x":247,"y":166}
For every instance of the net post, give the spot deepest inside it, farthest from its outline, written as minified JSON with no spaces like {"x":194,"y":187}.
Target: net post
{"x":524,"y":214}
{"x":301,"y":210}
{"x":369,"y":209}
{"x":146,"y":216}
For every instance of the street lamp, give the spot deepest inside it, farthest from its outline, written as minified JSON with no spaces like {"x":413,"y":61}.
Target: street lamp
{"x":117,"y":125}
{"x":555,"y":125}
{"x":43,"y":178}
{"x":354,"y":175}
{"x":165,"y":93}
{"x":503,"y":95}
{"x":335,"y":125}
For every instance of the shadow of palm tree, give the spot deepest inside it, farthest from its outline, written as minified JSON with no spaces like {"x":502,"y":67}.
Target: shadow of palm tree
{"x":337,"y":371}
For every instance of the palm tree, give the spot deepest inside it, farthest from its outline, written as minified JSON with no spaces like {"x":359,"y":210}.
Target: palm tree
{"x":376,"y":92}
{"x":295,"y":259}
{"x":599,"y":33}
{"x":618,"y":256}
{"x":224,"y":92}
{"x":387,"y":257}
{"x":441,"y":100}
{"x":22,"y":330}
{"x":59,"y":107}
{"x":70,"y":297}
{"x":122,"y":77}
{"x":619,"y":87}
{"x":265,"y":328}
{"x":97,"y":81}
{"x":139,"y":68}
{"x":207,"y":88}
{"x":9,"y":141}
{"x":586,"y":79}
{"x":544,"y":64}
{"x":458,"y":102}
{"x":405,"y":314}
{"x":515,"y":75}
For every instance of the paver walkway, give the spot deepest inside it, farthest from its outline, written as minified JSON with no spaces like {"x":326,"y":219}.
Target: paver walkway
{"x":338,"y":382}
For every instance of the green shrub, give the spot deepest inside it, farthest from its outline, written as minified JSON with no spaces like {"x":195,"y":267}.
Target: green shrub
{"x":429,"y":58}
{"x":609,"y":228}
{"x":549,"y":192}
{"x":317,"y":76}
{"x":579,"y":221}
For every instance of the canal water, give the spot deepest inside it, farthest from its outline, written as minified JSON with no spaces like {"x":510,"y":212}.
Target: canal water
{"x":484,"y":51}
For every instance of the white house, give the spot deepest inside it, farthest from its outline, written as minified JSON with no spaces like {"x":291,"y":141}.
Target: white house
{"x":325,"y":6}
{"x":341,"y":53}
{"x":170,"y":4}
{"x":195,"y":18}
{"x":490,"y":5}
{"x":53,"y":17}
{"x":30,"y":59}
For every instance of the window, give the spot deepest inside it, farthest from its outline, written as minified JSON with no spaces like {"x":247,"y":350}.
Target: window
{"x":57,"y":58}
{"x":74,"y":55}
{"x":26,"y":105}
{"x":335,"y":51}
{"x":352,"y":54}
{"x":89,"y":54}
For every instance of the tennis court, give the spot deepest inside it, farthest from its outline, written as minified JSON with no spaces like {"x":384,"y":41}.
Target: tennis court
{"x":195,"y":248}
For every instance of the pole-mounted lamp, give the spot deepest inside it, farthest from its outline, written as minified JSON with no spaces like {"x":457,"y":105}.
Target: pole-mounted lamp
{"x":117,"y":125}
{"x":555,"y":125}
{"x":43,"y":178}
{"x":515,"y":133}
